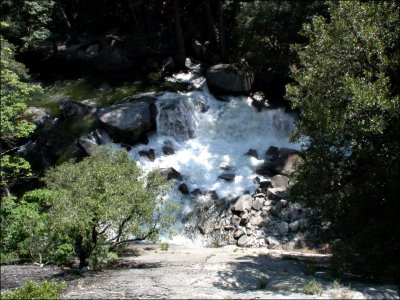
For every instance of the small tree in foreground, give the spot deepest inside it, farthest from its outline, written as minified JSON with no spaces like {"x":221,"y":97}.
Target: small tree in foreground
{"x":105,"y":201}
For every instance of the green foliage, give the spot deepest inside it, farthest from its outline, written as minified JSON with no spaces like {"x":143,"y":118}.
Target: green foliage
{"x":265,"y":31}
{"x":14,"y":125}
{"x":313,"y":287}
{"x":105,"y":201}
{"x":164,"y":246}
{"x":27,"y":233}
{"x":347,"y":91}
{"x":33,"y":290}
{"x":29,"y":22}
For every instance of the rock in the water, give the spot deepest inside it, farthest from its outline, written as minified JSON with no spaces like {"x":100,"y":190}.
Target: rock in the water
{"x":168,"y":150}
{"x":176,"y":120}
{"x":171,"y":173}
{"x":92,"y":139}
{"x":252,"y":152}
{"x":283,"y":228}
{"x":183,"y":188}
{"x":243,"y":203}
{"x":227,"y":176}
{"x":228,"y":78}
{"x":243,"y":241}
{"x":128,"y":122}
{"x":272,"y":152}
{"x":150,"y":154}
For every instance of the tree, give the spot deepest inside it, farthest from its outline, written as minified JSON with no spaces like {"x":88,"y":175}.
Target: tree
{"x":105,"y":201}
{"x":347,"y":90}
{"x":14,"y":93}
{"x":264,"y":32}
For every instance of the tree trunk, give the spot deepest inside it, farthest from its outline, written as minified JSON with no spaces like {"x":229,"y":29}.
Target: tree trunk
{"x":179,"y":37}
{"x":222,"y":41}
{"x":210,"y":23}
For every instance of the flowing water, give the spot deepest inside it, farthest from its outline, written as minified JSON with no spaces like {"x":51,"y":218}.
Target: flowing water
{"x":211,"y":137}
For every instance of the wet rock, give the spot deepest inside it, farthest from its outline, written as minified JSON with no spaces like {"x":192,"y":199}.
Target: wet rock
{"x":150,"y":154}
{"x":176,"y":120}
{"x":171,"y":173}
{"x":303,"y":223}
{"x":227,"y":176}
{"x":272,"y":152}
{"x":225,"y":167}
{"x":128,"y":122}
{"x":228,"y":78}
{"x":252,"y":152}
{"x":183,"y":188}
{"x":168,"y":150}
{"x":92,"y":139}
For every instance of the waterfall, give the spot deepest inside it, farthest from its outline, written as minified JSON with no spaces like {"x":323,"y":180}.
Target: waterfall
{"x":210,"y":136}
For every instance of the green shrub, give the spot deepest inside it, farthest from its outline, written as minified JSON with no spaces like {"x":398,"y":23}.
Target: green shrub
{"x":164,"y":246}
{"x":313,"y":287}
{"x":33,"y":290}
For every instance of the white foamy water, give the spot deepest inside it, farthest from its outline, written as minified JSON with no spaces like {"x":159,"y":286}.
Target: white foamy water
{"x":208,"y":134}
{"x":219,"y":137}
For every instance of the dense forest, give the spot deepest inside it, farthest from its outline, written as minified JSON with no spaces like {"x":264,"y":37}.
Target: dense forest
{"x":335,"y":63}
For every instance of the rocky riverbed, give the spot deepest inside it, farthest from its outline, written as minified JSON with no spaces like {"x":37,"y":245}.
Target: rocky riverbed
{"x":182,"y":272}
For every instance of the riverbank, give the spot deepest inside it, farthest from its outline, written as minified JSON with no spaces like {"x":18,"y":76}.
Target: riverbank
{"x":229,"y":272}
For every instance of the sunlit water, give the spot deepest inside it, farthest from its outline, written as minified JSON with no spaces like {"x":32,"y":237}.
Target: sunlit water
{"x":206,"y":141}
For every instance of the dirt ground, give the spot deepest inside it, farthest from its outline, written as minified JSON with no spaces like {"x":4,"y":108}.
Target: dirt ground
{"x":183,"y":272}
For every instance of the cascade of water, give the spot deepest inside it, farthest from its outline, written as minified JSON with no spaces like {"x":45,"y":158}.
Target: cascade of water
{"x":210,"y":136}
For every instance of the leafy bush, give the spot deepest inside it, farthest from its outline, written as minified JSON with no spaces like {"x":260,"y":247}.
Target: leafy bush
{"x":105,"y":201}
{"x":164,"y":246}
{"x":33,"y":290}
{"x":313,"y":287}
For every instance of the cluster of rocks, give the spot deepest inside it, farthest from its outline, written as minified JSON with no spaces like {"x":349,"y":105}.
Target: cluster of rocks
{"x":267,"y":218}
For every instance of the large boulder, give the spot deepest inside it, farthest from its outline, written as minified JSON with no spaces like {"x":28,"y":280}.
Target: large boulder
{"x":229,"y":78}
{"x":128,"y":122}
{"x":176,"y":120}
